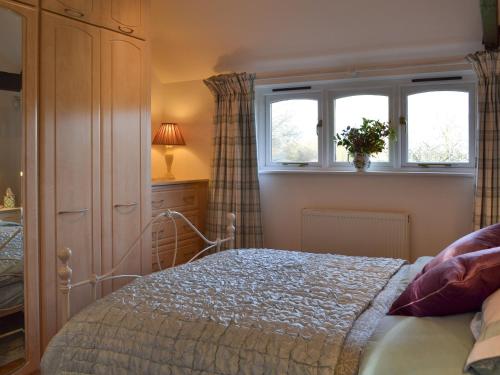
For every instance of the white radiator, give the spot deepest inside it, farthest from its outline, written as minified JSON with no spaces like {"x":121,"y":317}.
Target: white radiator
{"x":374,"y":234}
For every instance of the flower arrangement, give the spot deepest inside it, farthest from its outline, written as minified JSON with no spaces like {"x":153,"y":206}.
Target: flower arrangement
{"x":364,"y":141}
{"x":368,"y":139}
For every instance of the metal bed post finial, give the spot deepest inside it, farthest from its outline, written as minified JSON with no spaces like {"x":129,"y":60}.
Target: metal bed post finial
{"x":65,"y":272}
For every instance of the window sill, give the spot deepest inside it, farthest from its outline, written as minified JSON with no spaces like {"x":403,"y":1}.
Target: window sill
{"x":373,"y":172}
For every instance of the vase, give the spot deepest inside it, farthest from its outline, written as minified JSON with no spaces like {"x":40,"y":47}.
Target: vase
{"x":361,"y":161}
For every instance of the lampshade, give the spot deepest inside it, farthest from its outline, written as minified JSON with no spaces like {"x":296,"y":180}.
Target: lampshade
{"x":169,"y":134}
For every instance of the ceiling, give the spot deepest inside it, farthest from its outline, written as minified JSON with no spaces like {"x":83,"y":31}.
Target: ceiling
{"x":193,"y":39}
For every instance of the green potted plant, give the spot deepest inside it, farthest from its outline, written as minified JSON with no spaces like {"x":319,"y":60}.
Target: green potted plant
{"x":367,"y":140}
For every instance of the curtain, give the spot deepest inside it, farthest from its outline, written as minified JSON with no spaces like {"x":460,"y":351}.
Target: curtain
{"x":486,"y":199}
{"x":234,"y":186}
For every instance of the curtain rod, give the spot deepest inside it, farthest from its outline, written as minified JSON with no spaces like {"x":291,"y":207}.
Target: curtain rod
{"x":346,"y":72}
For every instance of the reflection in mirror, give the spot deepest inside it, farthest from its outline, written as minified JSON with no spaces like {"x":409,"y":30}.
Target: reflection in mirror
{"x":12,"y":335}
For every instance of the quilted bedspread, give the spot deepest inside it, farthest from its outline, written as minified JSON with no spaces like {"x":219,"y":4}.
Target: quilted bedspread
{"x":11,"y":250}
{"x":237,"y":312}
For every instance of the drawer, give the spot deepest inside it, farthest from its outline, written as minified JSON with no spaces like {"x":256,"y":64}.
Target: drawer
{"x":13,"y":216}
{"x":174,"y":199}
{"x":164,"y":228}
{"x":184,"y":253}
{"x":182,"y":244}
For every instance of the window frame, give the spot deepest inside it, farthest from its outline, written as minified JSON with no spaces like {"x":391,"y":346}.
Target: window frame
{"x":408,"y":90}
{"x":278,"y":97}
{"x":326,"y":90}
{"x":340,"y":93}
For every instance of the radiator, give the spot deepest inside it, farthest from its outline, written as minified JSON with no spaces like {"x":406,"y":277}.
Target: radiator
{"x":374,"y":234}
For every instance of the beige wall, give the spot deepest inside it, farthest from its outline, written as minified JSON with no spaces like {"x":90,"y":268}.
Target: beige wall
{"x":189,"y":104}
{"x":10,"y":143}
{"x":440,"y":206}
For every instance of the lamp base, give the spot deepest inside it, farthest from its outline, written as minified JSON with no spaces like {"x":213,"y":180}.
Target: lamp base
{"x":169,"y":160}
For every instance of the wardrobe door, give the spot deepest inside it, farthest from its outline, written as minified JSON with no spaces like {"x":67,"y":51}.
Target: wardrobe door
{"x":70,"y":160}
{"x":83,"y":10}
{"x":126,"y":16}
{"x":126,"y":154}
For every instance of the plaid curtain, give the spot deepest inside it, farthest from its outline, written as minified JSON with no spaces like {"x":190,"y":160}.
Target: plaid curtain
{"x":234,"y":186}
{"x":486,"y":200}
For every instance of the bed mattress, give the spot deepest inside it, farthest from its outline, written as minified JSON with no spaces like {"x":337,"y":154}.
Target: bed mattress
{"x":11,"y":265}
{"x":240,"y":311}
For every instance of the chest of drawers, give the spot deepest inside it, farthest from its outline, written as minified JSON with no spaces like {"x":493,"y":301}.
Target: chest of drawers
{"x":188,"y":198}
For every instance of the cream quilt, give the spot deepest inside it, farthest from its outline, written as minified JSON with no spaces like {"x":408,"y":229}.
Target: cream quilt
{"x":238,"y":312}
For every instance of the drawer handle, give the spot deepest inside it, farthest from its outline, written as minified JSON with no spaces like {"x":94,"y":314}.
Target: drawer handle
{"x":188,"y":199}
{"x":125,"y":29}
{"x":158,"y":202}
{"x":131,"y":204}
{"x":73,"y":13}
{"x":79,"y":211}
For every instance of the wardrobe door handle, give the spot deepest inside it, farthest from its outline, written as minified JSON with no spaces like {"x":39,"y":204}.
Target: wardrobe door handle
{"x":126,"y":204}
{"x":73,"y":13}
{"x":125,"y":29}
{"x":79,"y":211}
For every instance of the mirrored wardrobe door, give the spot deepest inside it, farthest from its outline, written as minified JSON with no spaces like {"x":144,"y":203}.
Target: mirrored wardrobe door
{"x":19,"y":328}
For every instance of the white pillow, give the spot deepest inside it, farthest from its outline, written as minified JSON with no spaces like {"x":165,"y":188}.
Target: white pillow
{"x":484,"y":358}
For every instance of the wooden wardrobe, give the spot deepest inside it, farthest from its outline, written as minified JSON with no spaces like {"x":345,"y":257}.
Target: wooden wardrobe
{"x":94,"y":144}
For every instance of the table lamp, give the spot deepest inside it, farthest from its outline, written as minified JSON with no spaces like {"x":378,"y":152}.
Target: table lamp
{"x":169,"y":135}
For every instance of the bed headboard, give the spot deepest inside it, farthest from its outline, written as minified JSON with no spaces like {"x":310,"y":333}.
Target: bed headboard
{"x":65,"y":272}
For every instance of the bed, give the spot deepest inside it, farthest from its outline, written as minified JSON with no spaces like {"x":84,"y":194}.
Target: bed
{"x":11,"y":268}
{"x":259,"y":311}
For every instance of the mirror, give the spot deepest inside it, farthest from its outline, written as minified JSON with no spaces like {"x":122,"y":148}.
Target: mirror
{"x":12,"y":333}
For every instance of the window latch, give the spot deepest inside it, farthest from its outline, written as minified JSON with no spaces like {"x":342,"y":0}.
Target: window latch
{"x":298,"y":164}
{"x":428,"y":165}
{"x":402,"y":121}
{"x":320,"y":125}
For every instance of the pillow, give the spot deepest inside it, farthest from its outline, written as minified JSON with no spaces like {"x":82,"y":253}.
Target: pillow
{"x":484,"y":359}
{"x":485,"y":238}
{"x":456,"y":286}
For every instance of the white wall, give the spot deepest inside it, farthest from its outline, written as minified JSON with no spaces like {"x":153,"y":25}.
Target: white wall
{"x":440,"y":206}
{"x":192,"y":40}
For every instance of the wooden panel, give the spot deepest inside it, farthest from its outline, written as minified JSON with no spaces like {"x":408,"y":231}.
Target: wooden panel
{"x":489,"y":16}
{"x":190,"y":199}
{"x":127,"y":16}
{"x":83,"y":10}
{"x":29,"y":2}
{"x":70,"y":158}
{"x":126,"y":142}
{"x":30,"y":184}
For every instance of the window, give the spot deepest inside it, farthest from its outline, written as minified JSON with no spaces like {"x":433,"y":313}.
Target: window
{"x":293,"y":130}
{"x":436,"y":127}
{"x":433,"y":119}
{"x":350,"y":110}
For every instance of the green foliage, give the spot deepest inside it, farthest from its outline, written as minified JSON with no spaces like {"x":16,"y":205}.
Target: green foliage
{"x":369,"y":138}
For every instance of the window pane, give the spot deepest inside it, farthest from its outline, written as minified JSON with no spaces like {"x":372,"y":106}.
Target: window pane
{"x":438,"y":127}
{"x":293,"y":129}
{"x":350,"y":110}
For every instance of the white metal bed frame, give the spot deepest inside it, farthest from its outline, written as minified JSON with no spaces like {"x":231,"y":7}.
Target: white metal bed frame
{"x":13,"y":309}
{"x":65,"y":272}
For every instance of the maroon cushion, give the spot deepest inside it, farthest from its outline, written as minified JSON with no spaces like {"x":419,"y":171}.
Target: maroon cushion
{"x":456,"y":286}
{"x":485,"y":238}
